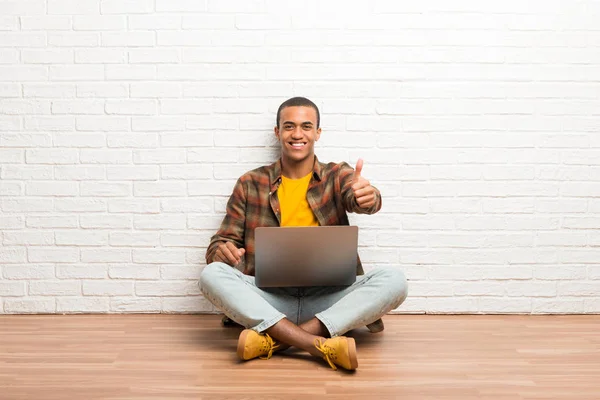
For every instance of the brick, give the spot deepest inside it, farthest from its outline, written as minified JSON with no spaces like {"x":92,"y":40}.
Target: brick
{"x":80,"y":205}
{"x":20,"y":107}
{"x":578,"y":288}
{"x":49,"y":188}
{"x":12,"y":289}
{"x":556,"y":306}
{"x":133,"y":140}
{"x":185,"y":272}
{"x":28,"y":271}
{"x":95,"y":271}
{"x":187,"y":139}
{"x":52,"y":222}
{"x":131,"y":107}
{"x":159,"y":156}
{"x":7,"y":156}
{"x":102,"y":123}
{"x":81,"y":238}
{"x":102,"y":90}
{"x":503,"y":305}
{"x":73,"y":6}
{"x":128,"y":39}
{"x":28,"y":238}
{"x":53,"y":123}
{"x":11,"y":188}
{"x":135,"y":206}
{"x":72,"y":73}
{"x":187,"y":6}
{"x":156,"y":90}
{"x":79,"y":172}
{"x":30,"y":305}
{"x":162,"y":123}
{"x":82,"y":305}
{"x":158,"y":256}
{"x":155,"y":22}
{"x":11,"y":222}
{"x":10,"y":123}
{"x":227,"y":155}
{"x":84,"y":140}
{"x":137,"y":272}
{"x":202,"y":188}
{"x":197,"y":204}
{"x":452,"y":305}
{"x":154,"y":56}
{"x":135,"y":304}
{"x":186,"y":172}
{"x":166,"y":288}
{"x":26,"y":205}
{"x":106,"y":156}
{"x":21,"y":40}
{"x":99,"y":23}
{"x":184,"y":240}
{"x":186,"y":106}
{"x":54,"y":288}
{"x":12,"y":255}
{"x":127,"y":6}
{"x":47,"y":56}
{"x":154,"y":222}
{"x":130,"y":72}
{"x":46,"y":23}
{"x":9,"y":56}
{"x":107,"y":288}
{"x":134,"y":172}
{"x":105,"y":189}
{"x":74,"y":39}
{"x":71,"y":107}
{"x":52,"y":254}
{"x":105,"y":221}
{"x":48,"y":91}
{"x":159,"y":189}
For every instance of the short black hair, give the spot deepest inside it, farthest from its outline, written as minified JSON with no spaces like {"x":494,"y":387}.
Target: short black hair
{"x":298,"y":102}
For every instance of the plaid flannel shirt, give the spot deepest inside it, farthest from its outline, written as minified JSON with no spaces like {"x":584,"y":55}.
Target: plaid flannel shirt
{"x":254,"y":203}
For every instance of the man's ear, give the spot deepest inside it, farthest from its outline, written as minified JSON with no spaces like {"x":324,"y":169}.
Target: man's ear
{"x":318,"y":134}
{"x":276,"y":130}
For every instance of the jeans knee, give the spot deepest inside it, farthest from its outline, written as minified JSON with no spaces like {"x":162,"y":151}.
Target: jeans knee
{"x":210,"y":274}
{"x":396,"y":283}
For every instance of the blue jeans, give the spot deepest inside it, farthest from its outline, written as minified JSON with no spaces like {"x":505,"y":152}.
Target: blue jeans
{"x":340,"y":309}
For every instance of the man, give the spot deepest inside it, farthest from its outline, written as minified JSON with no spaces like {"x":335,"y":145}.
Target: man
{"x":297,"y":190}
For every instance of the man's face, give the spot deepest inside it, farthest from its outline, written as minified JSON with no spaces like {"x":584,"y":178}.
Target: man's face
{"x":297,"y":132}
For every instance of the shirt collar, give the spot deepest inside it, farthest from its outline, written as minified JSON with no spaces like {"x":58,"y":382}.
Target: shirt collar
{"x":275,"y":172}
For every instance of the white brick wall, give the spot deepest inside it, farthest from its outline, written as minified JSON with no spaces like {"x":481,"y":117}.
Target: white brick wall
{"x":124,"y":124}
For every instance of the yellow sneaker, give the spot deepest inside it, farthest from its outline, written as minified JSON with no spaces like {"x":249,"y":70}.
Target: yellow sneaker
{"x":339,"y":350}
{"x":252,"y":344}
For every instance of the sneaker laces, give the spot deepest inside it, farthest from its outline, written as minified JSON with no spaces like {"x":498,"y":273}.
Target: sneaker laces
{"x":327,"y":351}
{"x":271,"y":347}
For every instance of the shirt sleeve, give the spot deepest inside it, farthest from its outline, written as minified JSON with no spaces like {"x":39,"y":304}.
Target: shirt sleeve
{"x":345,"y":175}
{"x":233,"y":225}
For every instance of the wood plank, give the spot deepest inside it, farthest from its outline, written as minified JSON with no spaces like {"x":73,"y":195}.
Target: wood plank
{"x":134,"y":357}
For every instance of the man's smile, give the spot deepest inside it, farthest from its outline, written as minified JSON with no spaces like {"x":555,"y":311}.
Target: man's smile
{"x":297,"y":145}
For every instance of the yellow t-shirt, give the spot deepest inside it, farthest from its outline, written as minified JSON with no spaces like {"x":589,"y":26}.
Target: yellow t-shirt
{"x":295,"y":210}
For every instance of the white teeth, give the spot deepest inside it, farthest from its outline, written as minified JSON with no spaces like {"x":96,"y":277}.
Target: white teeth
{"x":297,"y":144}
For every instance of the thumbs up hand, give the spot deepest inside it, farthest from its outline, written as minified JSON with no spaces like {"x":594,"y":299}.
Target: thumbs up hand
{"x":363,"y":191}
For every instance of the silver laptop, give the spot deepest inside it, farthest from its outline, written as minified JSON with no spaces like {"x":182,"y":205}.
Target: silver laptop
{"x":305,"y":256}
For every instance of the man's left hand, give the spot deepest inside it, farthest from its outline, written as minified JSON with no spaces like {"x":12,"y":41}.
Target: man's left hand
{"x":364,"y":193}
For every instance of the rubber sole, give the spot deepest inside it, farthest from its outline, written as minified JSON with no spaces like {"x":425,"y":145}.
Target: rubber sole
{"x":352,"y":353}
{"x":242,"y":343}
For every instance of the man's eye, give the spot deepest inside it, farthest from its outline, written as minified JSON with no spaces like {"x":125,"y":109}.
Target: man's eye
{"x":288,"y":127}
{"x":307,"y":127}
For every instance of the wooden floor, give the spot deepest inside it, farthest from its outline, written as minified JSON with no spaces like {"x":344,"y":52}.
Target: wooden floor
{"x":139,"y":357}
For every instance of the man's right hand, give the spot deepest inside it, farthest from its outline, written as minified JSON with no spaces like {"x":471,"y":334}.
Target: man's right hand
{"x":229,"y":254}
